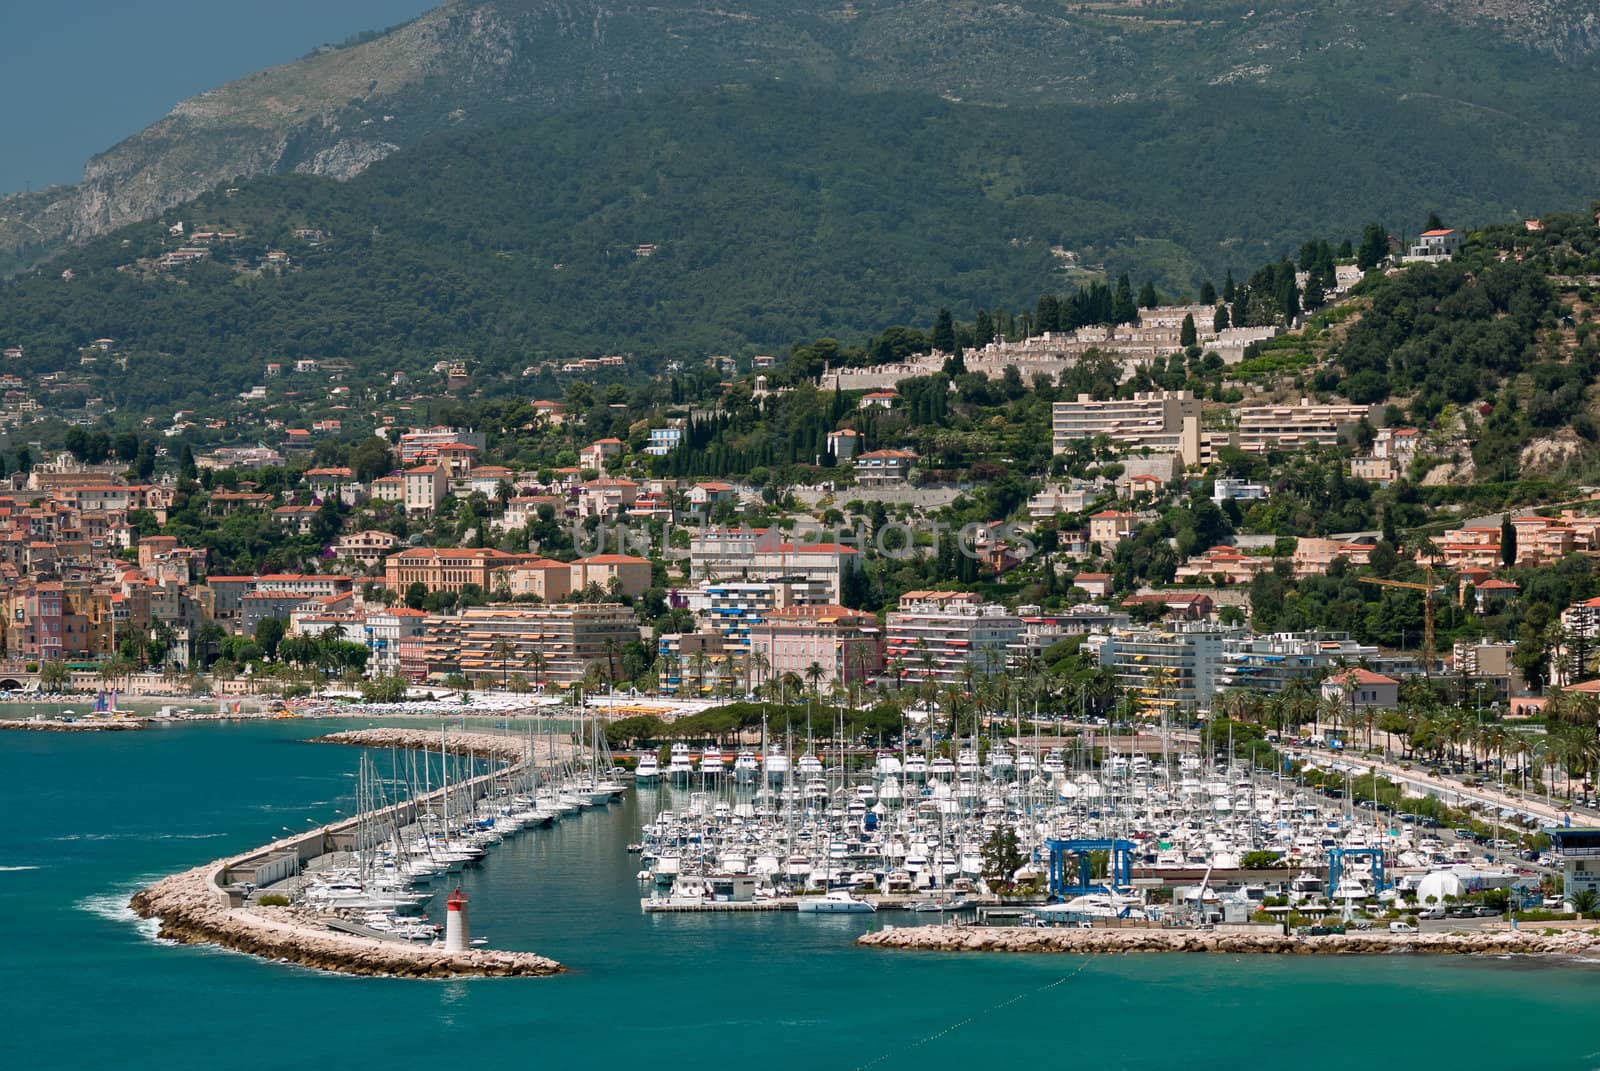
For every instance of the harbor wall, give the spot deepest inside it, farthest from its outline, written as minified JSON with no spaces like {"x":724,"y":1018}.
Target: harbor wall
{"x":1091,"y":941}
{"x":204,"y":906}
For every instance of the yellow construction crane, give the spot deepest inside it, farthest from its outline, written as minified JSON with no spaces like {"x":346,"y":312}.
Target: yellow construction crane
{"x":1427,"y":611}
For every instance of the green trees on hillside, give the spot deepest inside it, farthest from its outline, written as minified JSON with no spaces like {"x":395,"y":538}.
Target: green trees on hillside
{"x":770,"y":215}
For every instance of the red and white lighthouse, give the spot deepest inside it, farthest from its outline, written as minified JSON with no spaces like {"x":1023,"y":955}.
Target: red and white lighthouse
{"x":456,"y":937}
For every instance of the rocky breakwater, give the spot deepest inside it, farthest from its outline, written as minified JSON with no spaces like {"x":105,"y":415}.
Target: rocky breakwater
{"x":483,"y":745}
{"x":1090,"y":941}
{"x":88,"y":725}
{"x":192,"y":911}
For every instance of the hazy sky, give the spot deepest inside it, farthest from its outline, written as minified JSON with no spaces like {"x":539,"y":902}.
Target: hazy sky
{"x":81,"y":76}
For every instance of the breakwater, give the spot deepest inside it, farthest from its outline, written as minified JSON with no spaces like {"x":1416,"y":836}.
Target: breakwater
{"x":209,"y":904}
{"x":89,"y":725}
{"x":480,"y":745}
{"x":191,"y":912}
{"x":1091,"y":941}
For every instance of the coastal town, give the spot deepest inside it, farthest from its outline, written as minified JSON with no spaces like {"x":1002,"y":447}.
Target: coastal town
{"x":869,"y":535}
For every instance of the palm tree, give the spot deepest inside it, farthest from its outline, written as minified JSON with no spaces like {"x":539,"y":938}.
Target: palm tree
{"x":535,"y":661}
{"x":54,"y":676}
{"x":757,"y":665}
{"x":503,"y":650}
{"x":814,"y":675}
{"x":700,"y":662}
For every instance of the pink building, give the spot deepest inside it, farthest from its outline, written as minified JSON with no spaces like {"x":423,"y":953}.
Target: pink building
{"x":846,"y":644}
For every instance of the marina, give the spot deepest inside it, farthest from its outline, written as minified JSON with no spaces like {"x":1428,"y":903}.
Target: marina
{"x":568,"y":891}
{"x":348,"y":896}
{"x":1065,"y":831}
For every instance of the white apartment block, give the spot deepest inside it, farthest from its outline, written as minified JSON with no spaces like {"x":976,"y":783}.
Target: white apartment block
{"x":937,"y":635}
{"x":1291,"y":427}
{"x":1163,"y":421}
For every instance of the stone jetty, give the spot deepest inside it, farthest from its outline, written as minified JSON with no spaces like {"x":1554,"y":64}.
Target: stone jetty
{"x":207,"y":905}
{"x":1531,"y":941}
{"x":193,"y":909}
{"x":483,"y":745}
{"x":88,"y":725}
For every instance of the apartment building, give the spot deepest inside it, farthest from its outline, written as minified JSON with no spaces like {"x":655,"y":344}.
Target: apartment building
{"x":877,"y":468}
{"x":1270,"y":663}
{"x":1291,"y":427}
{"x":368,"y":548}
{"x":425,"y":487}
{"x":424,"y":444}
{"x":615,"y":574}
{"x":568,"y":639}
{"x":725,"y":554}
{"x":939,"y":635}
{"x":847,"y":645}
{"x":542,"y":578}
{"x":1163,"y":421}
{"x":445,"y":568}
{"x":1172,"y":667}
{"x":733,"y":609}
{"x":696,"y":663}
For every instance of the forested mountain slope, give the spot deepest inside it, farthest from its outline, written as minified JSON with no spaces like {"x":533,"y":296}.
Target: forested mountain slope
{"x":1524,"y":66}
{"x":771,"y":216}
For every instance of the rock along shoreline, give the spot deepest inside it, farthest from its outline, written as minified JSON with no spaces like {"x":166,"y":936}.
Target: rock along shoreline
{"x":1112,"y":941}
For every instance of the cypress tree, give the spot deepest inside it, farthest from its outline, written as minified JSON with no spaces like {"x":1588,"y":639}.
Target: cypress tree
{"x":944,"y":332}
{"x":982,"y":329}
{"x":1123,"y":310}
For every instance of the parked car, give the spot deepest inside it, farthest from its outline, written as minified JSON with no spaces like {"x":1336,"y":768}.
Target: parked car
{"x":1402,"y":927}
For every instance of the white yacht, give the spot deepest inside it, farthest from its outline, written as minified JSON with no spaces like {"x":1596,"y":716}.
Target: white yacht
{"x":680,"y":765}
{"x":648,"y":772}
{"x":837,"y":902}
{"x":712,"y":763}
{"x":746,"y":766}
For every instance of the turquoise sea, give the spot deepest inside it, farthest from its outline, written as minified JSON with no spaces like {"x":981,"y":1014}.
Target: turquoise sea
{"x":88,"y":818}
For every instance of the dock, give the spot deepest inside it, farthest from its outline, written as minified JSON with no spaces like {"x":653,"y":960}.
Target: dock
{"x":669,"y":907}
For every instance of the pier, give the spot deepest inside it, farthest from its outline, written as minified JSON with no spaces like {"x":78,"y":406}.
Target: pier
{"x":207,"y":905}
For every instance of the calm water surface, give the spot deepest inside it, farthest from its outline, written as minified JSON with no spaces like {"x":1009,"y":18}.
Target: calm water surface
{"x":91,"y":817}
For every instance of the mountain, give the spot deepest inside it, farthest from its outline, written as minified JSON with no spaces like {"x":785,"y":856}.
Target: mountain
{"x":473,"y":62}
{"x":739,"y":220}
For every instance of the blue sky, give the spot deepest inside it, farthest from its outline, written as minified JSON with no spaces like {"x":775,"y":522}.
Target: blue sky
{"x":79,"y":77}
